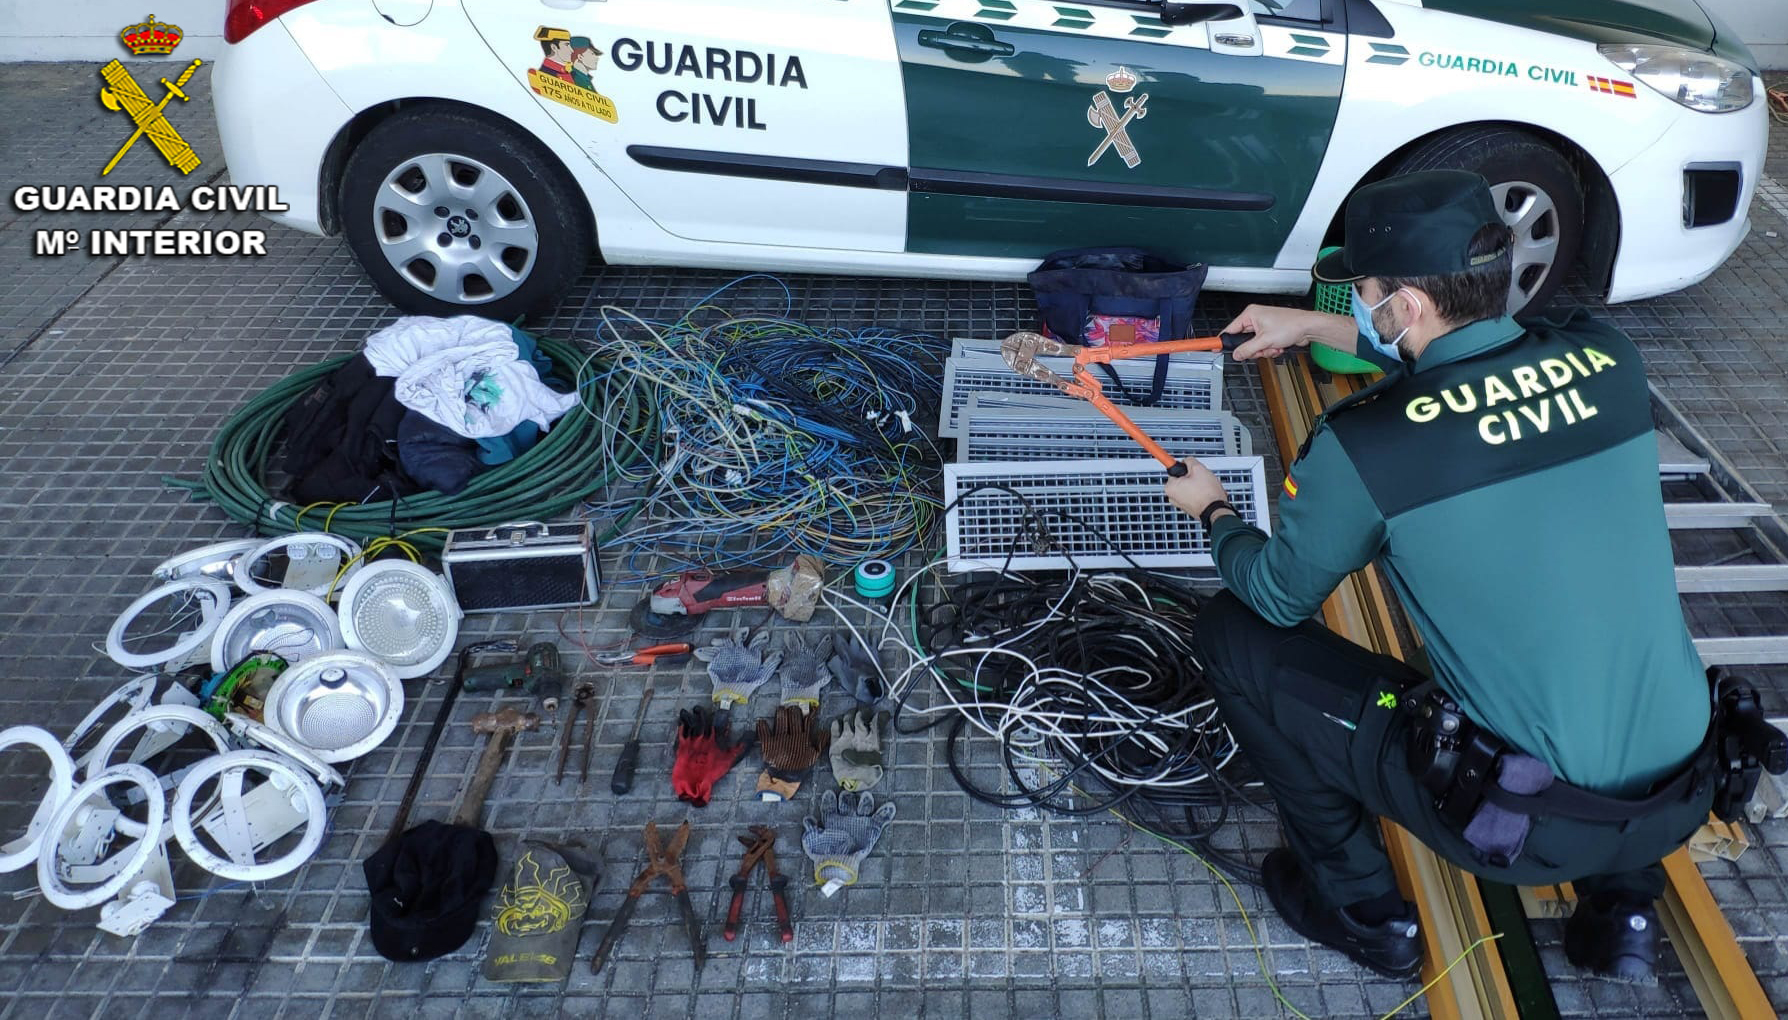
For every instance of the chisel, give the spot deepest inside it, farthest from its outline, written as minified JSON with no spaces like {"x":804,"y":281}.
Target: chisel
{"x":624,"y":766}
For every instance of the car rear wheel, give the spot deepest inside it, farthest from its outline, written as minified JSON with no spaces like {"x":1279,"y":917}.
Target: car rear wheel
{"x":454,"y":214}
{"x":1538,"y":193}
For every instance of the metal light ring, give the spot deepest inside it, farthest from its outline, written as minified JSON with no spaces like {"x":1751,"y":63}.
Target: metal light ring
{"x":216,"y":561}
{"x":137,"y":693}
{"x":218,"y":594}
{"x":25,"y":849}
{"x":277,"y":767}
{"x":245,"y":567}
{"x":365,"y":581}
{"x":277,"y":742}
{"x":322,"y":622}
{"x":112,"y":738}
{"x":148,"y":840}
{"x":364,"y":676}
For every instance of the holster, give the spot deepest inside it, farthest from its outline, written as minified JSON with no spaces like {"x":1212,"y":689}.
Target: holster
{"x":1489,"y":792}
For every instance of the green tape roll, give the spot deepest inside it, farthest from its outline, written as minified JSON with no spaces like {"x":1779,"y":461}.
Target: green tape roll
{"x":875,"y":578}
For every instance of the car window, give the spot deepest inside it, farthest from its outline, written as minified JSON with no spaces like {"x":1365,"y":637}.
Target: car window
{"x":1303,"y":10}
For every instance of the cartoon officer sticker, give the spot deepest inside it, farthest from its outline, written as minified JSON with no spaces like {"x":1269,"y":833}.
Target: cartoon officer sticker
{"x":584,"y":58}
{"x":567,"y":73}
{"x":555,"y":43}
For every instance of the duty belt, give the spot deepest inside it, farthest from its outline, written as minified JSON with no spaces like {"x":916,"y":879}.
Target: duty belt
{"x":1458,"y":762}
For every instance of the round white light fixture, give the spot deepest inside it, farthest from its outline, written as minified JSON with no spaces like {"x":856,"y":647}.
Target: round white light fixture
{"x":316,"y":557}
{"x":402,"y":613}
{"x":235,"y":831}
{"x":293,"y":625}
{"x":273,"y":740}
{"x":340,"y":704}
{"x":161,"y":719}
{"x":22,"y":851}
{"x":135,"y":694}
{"x":216,"y":561}
{"x":54,"y":875}
{"x":212,"y":598}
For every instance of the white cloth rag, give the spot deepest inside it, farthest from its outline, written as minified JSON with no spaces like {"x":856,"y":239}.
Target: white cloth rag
{"x":464,"y":374}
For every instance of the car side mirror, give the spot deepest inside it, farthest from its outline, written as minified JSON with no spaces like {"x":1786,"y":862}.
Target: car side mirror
{"x":1192,"y":14}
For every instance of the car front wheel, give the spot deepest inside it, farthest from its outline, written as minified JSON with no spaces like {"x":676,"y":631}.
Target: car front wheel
{"x":454,"y":214}
{"x":1536,"y":190}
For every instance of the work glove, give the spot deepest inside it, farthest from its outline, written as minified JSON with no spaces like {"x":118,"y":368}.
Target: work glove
{"x":804,"y":670}
{"x":857,"y":749}
{"x":857,"y":672}
{"x":705,"y":752}
{"x":793,"y":742}
{"x":842,"y":835}
{"x":736,"y":668}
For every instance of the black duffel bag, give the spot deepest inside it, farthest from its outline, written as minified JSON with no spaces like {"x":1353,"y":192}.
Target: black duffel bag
{"x":1095,"y":296}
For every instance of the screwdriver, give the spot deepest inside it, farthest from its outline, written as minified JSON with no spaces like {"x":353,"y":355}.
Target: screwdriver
{"x":624,"y":766}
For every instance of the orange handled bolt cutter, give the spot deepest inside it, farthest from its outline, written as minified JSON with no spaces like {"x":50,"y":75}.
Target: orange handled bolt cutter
{"x":1021,"y":351}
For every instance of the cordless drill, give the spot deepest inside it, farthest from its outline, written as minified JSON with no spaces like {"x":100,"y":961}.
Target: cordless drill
{"x":538,"y":673}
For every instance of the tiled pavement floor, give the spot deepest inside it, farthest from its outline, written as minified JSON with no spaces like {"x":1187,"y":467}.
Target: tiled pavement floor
{"x":121,"y":370}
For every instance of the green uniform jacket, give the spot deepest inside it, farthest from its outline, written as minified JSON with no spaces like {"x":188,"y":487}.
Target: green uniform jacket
{"x":1508,"y":484}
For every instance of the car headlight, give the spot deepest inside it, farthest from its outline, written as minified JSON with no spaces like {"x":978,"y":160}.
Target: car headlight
{"x":1690,"y":77}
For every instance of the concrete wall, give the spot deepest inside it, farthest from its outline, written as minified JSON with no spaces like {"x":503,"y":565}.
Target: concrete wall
{"x":88,"y":29}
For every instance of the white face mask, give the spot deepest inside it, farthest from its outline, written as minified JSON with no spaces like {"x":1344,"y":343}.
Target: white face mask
{"x":1362,"y":317}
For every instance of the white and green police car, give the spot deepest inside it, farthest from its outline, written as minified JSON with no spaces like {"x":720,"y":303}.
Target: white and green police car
{"x":475,"y":153}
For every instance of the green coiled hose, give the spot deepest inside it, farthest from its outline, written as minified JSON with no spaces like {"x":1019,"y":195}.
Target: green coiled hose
{"x":566,"y":466}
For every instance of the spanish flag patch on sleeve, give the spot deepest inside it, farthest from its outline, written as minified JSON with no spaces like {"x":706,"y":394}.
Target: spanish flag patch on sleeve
{"x":1291,"y":488}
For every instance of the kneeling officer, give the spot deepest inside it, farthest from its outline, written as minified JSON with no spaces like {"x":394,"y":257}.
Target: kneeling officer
{"x":1505,"y":476}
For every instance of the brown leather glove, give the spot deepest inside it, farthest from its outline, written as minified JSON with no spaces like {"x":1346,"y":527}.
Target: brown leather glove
{"x":792,"y":742}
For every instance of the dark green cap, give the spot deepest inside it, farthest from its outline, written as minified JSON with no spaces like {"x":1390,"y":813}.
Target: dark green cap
{"x":1418,"y":224}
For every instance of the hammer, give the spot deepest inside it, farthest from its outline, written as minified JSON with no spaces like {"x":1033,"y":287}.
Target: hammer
{"x":500,"y":725}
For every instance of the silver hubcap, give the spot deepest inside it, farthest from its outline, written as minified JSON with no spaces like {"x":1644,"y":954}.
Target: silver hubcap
{"x":455,"y":229}
{"x":1533,"y":217}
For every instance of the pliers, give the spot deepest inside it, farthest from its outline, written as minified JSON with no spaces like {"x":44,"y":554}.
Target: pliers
{"x":662,"y":861}
{"x":759,"y":846}
{"x":671,"y":654}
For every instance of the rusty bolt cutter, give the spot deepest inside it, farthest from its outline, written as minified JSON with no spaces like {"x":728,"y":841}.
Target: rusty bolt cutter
{"x":1021,"y":351}
{"x":662,"y":861}
{"x":759,"y":846}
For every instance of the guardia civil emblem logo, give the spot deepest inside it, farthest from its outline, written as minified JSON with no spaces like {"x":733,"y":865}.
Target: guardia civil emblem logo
{"x":1103,"y":114}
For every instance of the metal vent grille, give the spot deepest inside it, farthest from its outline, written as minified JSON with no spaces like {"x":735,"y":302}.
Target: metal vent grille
{"x":1071,"y":430}
{"x":1194,"y":383}
{"x":1094,"y":511}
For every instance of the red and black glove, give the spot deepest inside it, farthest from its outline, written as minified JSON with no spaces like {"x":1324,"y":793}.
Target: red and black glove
{"x":705,"y":752}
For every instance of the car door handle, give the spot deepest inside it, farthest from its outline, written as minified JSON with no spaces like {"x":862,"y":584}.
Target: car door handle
{"x":966,"y":41}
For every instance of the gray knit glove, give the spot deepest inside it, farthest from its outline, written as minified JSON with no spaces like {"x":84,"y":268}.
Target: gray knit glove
{"x":843,"y":834}
{"x":804,"y":670}
{"x":738,"y":669}
{"x":857,"y":749}
{"x":858,"y":673}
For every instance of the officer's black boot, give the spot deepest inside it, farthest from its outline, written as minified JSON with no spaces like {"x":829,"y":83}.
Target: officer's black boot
{"x":1392,"y":947}
{"x":1615,"y":937}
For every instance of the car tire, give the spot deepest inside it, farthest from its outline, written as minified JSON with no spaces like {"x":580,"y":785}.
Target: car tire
{"x":451,"y":213}
{"x":1538,"y":192}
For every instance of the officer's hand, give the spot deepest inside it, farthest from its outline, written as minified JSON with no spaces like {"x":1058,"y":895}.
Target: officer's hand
{"x":1196,"y":489}
{"x":1276,"y":330}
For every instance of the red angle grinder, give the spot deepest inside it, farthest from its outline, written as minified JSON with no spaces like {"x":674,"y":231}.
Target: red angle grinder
{"x":672,"y":610}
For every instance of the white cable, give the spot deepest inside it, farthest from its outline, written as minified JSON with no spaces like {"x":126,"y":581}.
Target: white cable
{"x":213,"y":597}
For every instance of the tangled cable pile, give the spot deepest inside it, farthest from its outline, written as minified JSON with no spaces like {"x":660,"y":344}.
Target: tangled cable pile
{"x":569,"y":463}
{"x":1091,"y":686}
{"x":778,"y":438}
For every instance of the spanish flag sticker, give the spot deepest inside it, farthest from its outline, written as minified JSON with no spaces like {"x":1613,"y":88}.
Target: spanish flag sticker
{"x":1291,"y":488}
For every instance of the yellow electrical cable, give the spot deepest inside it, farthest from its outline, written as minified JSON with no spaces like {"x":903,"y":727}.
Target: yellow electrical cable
{"x":1260,"y":957}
